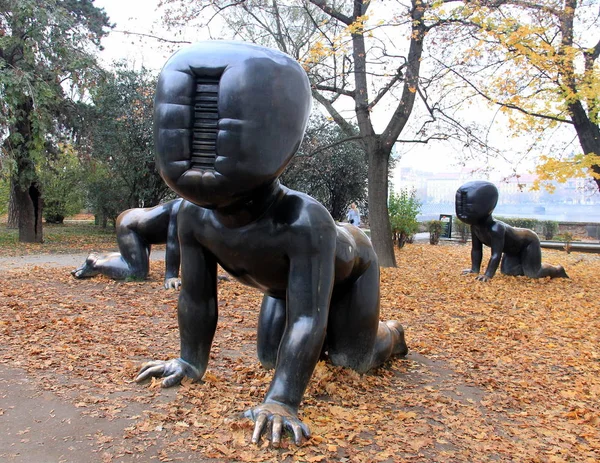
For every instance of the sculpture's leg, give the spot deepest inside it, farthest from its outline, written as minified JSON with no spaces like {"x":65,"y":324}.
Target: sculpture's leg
{"x":113,"y":266}
{"x":88,"y":268}
{"x":355,"y":336}
{"x":511,"y":265}
{"x":135,"y":252}
{"x":533,"y":266}
{"x":271,"y":324}
{"x":531,"y":259}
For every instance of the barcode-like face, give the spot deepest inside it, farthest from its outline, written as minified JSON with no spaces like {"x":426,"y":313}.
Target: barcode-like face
{"x":206,"y":118}
{"x":462,"y":207}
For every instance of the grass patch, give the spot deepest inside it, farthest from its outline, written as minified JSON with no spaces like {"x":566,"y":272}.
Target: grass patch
{"x":70,"y":237}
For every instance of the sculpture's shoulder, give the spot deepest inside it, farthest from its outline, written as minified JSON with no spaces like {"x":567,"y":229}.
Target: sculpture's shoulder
{"x":299,"y":210}
{"x":191,"y":216}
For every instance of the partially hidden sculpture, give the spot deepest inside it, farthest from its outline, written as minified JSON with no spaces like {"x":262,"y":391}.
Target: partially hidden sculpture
{"x":228,"y":118}
{"x":137,"y":230}
{"x":516,"y":250}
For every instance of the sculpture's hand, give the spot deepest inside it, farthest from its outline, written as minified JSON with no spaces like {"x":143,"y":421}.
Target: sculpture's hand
{"x":483,"y":278}
{"x":172,"y":370}
{"x":280,"y":417}
{"x":467,"y":271}
{"x":172,"y":283}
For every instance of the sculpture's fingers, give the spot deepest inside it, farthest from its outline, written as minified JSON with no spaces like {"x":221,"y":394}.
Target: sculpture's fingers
{"x":297,"y":430}
{"x":173,"y":283}
{"x":152,"y":363}
{"x":149,"y":372}
{"x":305,"y":430}
{"x":77,"y":273}
{"x":277,"y":428}
{"x":259,"y":427}
{"x":172,"y":380}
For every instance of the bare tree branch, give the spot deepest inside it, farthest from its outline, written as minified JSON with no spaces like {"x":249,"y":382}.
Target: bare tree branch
{"x":330,"y":11}
{"x":384,"y":90}
{"x":346,"y":127}
{"x":507,"y":105}
{"x":322,"y":148}
{"x":339,"y":91}
{"x":160,"y":39}
{"x":425,"y":140}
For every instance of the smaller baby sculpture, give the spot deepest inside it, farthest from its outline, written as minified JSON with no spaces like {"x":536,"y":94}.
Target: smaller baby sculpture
{"x":137,"y":230}
{"x":475,"y":202}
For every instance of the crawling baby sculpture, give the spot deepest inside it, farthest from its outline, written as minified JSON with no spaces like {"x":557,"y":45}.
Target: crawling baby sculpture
{"x":228,"y":118}
{"x":137,"y":230}
{"x":519,"y":248}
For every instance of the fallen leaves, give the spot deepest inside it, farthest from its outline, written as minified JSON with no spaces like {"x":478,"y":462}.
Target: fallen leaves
{"x":503,"y":371}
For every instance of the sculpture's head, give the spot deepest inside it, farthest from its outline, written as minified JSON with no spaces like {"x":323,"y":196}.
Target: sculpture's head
{"x":475,"y":201}
{"x":228,"y":117}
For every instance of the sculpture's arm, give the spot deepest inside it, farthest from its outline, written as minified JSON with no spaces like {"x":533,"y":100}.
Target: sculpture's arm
{"x":173,"y":252}
{"x":476,"y":254}
{"x":497,"y":232}
{"x":310,"y":284}
{"x":197,"y":318}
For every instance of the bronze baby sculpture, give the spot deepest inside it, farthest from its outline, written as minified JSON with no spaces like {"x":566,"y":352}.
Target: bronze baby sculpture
{"x":137,"y":230}
{"x":518,"y":248}
{"x":228,"y":118}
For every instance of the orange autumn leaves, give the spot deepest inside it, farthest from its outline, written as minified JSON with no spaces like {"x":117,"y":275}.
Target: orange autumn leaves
{"x":503,"y":371}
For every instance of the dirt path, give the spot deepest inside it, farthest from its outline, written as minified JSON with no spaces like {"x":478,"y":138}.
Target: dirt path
{"x":38,"y":426}
{"x":57,"y":260}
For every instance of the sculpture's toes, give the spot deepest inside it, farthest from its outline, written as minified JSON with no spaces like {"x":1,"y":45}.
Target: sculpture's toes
{"x":562,"y":272}
{"x":88,"y":268}
{"x":400,"y":348}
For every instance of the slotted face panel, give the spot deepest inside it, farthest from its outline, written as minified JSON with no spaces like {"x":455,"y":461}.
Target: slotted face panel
{"x":461,"y":203}
{"x":206,"y":117}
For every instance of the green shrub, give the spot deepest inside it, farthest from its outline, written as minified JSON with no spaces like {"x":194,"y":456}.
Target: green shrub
{"x":62,"y":185}
{"x":549,"y":228}
{"x":403,"y":208}
{"x":435,"y":230}
{"x":462,"y":229}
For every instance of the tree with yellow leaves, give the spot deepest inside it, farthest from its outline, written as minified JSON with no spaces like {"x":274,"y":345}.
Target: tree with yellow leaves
{"x":538,"y":61}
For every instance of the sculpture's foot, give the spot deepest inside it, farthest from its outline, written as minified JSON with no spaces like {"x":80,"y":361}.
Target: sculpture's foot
{"x":560,"y":272}
{"x":400,"y":348}
{"x":88,"y":268}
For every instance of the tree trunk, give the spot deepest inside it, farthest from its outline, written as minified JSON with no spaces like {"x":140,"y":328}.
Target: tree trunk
{"x":29,"y":205}
{"x":588,"y":134}
{"x":381,"y":230}
{"x":27,"y":197}
{"x":13,"y":210}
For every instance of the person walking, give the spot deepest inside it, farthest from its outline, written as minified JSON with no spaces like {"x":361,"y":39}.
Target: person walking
{"x":353,"y":215}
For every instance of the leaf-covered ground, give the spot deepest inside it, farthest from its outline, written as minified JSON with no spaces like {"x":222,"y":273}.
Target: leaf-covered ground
{"x":505,"y":371}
